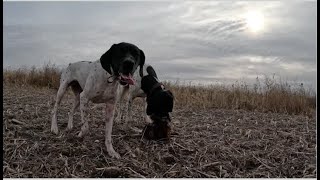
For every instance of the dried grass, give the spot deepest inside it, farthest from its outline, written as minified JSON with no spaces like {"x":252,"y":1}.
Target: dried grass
{"x":267,"y":95}
{"x":46,"y":76}
{"x":274,"y":96}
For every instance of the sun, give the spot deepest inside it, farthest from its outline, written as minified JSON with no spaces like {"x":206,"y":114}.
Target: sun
{"x":255,"y":21}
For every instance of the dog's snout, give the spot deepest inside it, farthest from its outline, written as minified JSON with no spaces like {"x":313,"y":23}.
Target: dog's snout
{"x":128,"y":65}
{"x":128,"y":62}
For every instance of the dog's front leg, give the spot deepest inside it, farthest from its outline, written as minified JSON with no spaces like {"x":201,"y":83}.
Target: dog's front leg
{"x":123,"y":91}
{"x":84,"y":111}
{"x":129,"y":106}
{"x":119,"y":111}
{"x":110,"y":108}
{"x":146,"y":117}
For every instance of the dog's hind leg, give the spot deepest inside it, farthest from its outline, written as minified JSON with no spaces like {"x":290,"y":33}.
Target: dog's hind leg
{"x":84,"y":111}
{"x":76,"y":89}
{"x":62,"y":89}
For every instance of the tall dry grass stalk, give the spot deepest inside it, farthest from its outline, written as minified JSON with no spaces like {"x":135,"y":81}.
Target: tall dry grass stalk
{"x":46,"y":76}
{"x":273,"y":96}
{"x":270,"y":95}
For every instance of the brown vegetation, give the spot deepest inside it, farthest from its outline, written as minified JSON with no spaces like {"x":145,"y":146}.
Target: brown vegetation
{"x":271,"y":95}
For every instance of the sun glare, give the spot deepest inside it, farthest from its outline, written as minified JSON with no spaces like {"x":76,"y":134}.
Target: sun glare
{"x":255,"y":21}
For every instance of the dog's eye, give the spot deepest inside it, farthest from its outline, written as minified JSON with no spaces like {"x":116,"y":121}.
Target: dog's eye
{"x":134,"y":53}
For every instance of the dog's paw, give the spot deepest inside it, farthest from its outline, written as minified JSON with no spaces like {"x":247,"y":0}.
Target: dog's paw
{"x":114,"y":154}
{"x":70,"y":126}
{"x":147,"y":119}
{"x":80,"y":135}
{"x":54,"y":129}
{"x":84,"y":130}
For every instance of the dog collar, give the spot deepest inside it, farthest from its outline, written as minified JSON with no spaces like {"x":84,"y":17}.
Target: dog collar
{"x":114,"y":78}
{"x":121,"y":82}
{"x":159,"y":84}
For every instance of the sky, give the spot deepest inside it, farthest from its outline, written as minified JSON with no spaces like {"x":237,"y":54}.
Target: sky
{"x":198,"y":41}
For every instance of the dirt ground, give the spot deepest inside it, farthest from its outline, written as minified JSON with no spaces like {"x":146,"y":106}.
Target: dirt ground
{"x":207,"y":143}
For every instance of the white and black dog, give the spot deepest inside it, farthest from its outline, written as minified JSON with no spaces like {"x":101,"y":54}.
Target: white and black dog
{"x":100,"y":82}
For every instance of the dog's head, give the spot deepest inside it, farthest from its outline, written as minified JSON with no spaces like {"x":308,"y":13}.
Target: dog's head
{"x":157,"y":130}
{"x":122,"y":60}
{"x":159,"y":100}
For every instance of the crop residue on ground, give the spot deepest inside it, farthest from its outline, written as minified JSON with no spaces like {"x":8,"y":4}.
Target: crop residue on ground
{"x":207,"y":143}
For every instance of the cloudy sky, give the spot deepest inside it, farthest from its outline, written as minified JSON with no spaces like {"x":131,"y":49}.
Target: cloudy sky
{"x":199,"y":41}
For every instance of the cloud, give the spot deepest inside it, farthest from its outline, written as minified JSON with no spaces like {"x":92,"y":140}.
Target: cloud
{"x":190,"y":40}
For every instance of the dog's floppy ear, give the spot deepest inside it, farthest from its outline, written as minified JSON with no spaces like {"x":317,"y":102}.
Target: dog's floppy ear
{"x":142,"y":60}
{"x":106,"y":59}
{"x":152,"y":72}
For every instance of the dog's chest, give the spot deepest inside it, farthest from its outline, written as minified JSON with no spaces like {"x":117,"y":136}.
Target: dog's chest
{"x":107,"y":94}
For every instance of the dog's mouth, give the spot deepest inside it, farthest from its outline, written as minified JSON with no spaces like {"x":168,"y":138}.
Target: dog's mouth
{"x":126,"y":79}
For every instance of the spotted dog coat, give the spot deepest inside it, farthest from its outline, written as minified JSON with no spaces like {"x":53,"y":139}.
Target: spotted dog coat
{"x":100,"y":82}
